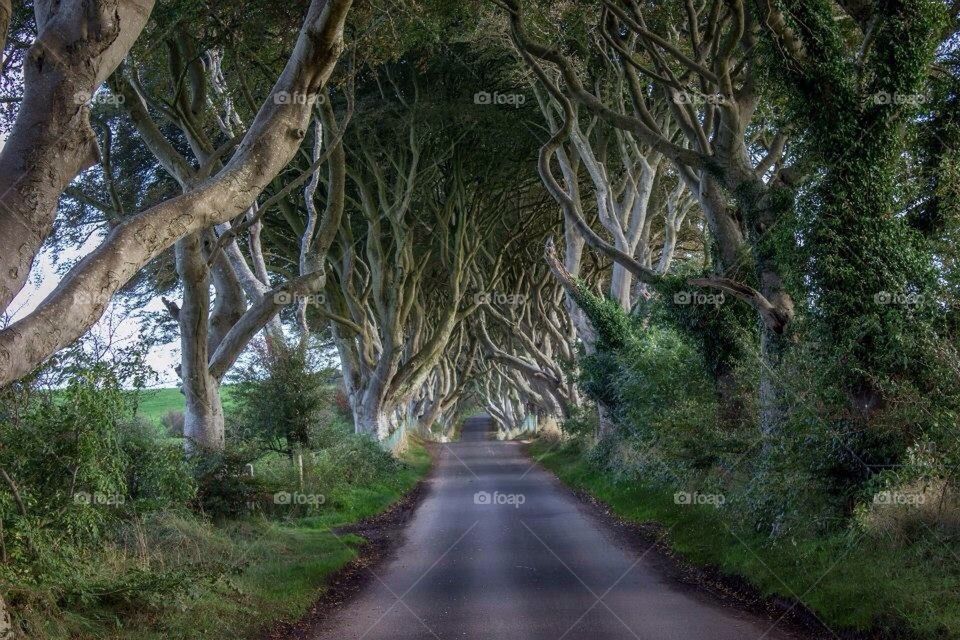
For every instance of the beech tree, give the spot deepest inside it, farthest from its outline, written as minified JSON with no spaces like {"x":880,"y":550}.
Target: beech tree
{"x":740,"y":179}
{"x":531,"y":341}
{"x":733,"y":156}
{"x":403,"y":287}
{"x":211,"y":337}
{"x":269,"y":143}
{"x":448,"y":387}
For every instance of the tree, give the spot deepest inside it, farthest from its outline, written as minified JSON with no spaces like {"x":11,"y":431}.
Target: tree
{"x":270,"y":142}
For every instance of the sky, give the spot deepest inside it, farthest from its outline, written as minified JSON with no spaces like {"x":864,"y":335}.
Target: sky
{"x":125,"y":327}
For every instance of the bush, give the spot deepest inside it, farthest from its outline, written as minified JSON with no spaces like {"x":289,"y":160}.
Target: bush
{"x":226,"y":483}
{"x":281,"y":402}
{"x":65,"y":454}
{"x":80,"y":468}
{"x":157,"y":476}
{"x":105,"y":532}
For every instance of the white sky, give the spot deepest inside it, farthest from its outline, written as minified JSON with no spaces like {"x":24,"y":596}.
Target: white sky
{"x":126,"y":327}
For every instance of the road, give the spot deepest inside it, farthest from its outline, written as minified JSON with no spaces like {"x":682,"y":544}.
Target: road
{"x":500,"y":549}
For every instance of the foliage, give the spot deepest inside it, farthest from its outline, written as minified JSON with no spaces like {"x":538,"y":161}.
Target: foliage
{"x":848,"y":580}
{"x":226,"y":486}
{"x":109,"y":546}
{"x":870,"y":275}
{"x":80,"y":460}
{"x":81,"y":466}
{"x":281,"y":402}
{"x":674,"y":428}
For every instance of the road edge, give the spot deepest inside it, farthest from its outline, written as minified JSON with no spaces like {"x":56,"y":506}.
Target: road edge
{"x":349,"y":580}
{"x":729,"y":589}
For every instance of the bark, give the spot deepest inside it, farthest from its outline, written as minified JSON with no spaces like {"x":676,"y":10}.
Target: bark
{"x":269,"y":144}
{"x":203,"y":420}
{"x":77,"y":47}
{"x":255,"y":318}
{"x":6,"y":626}
{"x":371,"y":418}
{"x":229,"y":305}
{"x":6,"y":12}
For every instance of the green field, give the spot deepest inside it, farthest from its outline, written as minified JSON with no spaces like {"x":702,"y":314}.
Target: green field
{"x":154,"y":403}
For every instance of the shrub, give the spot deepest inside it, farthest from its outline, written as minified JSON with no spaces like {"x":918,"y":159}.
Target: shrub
{"x":225,"y":485}
{"x":66,"y":456}
{"x":282,"y":403}
{"x":157,"y":475}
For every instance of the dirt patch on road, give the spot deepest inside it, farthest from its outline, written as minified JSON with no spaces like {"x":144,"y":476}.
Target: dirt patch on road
{"x":383,"y":534}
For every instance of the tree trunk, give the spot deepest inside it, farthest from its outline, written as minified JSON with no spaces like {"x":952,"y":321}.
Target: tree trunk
{"x":370,"y":419}
{"x":78,"y":45}
{"x":80,"y":298}
{"x":773,"y":410}
{"x":203,"y":425}
{"x":620,"y":285}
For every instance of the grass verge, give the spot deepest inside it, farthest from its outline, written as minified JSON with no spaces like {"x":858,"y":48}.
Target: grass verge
{"x":849,"y":581}
{"x":247,"y":574}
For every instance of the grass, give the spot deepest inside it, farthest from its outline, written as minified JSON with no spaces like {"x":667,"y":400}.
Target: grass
{"x":286,"y":565}
{"x":155,"y":403}
{"x":848,"y":580}
{"x":243,"y":576}
{"x":280,"y":570}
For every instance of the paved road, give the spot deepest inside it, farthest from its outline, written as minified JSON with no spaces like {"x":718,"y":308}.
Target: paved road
{"x":541,"y":570}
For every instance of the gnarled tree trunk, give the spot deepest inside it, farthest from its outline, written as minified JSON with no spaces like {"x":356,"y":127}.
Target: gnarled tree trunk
{"x":79,"y":44}
{"x":269,"y":144}
{"x":203,"y":420}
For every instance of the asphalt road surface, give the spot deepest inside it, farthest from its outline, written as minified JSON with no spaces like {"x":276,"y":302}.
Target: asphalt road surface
{"x":500,"y":549}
